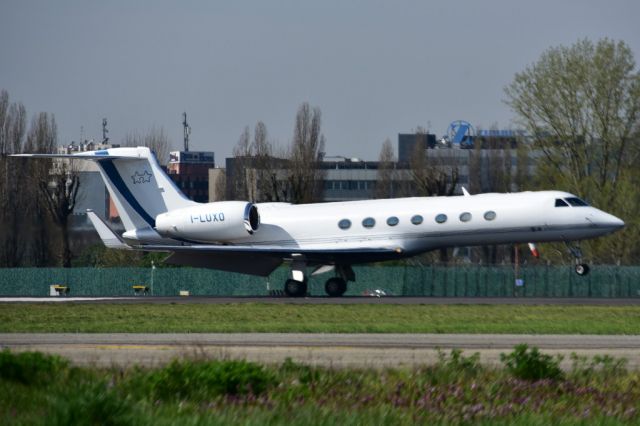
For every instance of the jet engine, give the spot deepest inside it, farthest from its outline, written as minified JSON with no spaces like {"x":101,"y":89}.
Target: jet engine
{"x":213,"y":222}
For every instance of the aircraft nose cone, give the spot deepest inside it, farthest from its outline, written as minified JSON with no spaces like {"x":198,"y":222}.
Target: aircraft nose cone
{"x":617,"y":223}
{"x":610,"y":221}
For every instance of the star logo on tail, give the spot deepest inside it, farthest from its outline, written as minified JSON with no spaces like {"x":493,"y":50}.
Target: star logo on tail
{"x":143,"y":177}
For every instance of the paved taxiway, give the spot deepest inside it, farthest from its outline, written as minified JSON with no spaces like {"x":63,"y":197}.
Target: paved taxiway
{"x":338,"y":350}
{"x":323,"y":300}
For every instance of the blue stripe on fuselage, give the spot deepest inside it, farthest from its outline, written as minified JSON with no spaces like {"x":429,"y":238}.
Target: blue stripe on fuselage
{"x":115,"y":178}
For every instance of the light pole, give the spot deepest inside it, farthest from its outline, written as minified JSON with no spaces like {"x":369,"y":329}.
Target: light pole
{"x":153,"y":268}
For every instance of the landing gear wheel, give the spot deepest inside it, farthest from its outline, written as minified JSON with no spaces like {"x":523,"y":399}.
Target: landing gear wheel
{"x":293,"y":288}
{"x":582,"y":269}
{"x":335,"y":287}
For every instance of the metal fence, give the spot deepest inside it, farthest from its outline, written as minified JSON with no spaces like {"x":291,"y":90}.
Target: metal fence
{"x":466,"y":281}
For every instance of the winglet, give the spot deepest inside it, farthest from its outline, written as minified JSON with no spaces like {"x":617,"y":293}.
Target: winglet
{"x":108,"y":237}
{"x":465,"y":192}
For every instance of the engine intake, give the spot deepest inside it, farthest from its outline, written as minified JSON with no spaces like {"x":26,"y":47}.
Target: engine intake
{"x":220,"y":221}
{"x":251,"y":218}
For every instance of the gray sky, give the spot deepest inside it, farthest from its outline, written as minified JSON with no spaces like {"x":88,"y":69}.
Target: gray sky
{"x":375,"y":68}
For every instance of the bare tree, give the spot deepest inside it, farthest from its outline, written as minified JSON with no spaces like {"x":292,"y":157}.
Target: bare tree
{"x":243,"y":176}
{"x":219,"y":186}
{"x":57,"y":181}
{"x":4,"y":110}
{"x":12,"y":189}
{"x":155,"y":139}
{"x":433,"y":174}
{"x":305,"y":177}
{"x":271,"y":185}
{"x":386,"y":171}
{"x":60,"y":194}
{"x":41,"y":138}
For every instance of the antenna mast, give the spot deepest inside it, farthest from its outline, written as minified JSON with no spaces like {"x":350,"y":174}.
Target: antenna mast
{"x":105,"y":139}
{"x":187,"y":131}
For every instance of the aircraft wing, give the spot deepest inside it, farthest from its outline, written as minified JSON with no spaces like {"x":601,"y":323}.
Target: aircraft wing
{"x":262,"y":260}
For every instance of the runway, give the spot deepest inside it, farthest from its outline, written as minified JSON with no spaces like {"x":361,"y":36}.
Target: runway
{"x":322,"y":300}
{"x":335,"y":350}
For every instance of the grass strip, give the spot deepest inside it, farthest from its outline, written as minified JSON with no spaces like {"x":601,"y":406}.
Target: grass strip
{"x":227,"y":318}
{"x":457,"y":390}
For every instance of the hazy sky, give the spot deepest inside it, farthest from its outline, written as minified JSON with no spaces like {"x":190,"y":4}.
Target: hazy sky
{"x":375,"y":68}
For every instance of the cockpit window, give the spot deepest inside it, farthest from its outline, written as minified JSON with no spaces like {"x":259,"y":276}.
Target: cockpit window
{"x":561,"y":203}
{"x":576,"y":202}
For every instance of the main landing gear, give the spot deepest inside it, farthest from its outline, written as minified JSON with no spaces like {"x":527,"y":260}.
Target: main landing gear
{"x":293,"y":288}
{"x":296,"y":286}
{"x":335,"y":286}
{"x":580,"y":268}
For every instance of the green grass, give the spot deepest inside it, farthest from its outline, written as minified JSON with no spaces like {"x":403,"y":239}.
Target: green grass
{"x":138,"y":318}
{"x":457,"y":390}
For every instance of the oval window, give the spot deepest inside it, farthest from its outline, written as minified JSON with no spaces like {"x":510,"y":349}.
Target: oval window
{"x":369,"y":222}
{"x":344,"y":224}
{"x":490,"y":215}
{"x":393,"y":221}
{"x":465,"y":217}
{"x":416,"y":220}
{"x":441,"y":218}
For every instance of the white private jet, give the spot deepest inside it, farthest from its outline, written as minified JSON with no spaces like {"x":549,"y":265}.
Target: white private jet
{"x":249,"y":238}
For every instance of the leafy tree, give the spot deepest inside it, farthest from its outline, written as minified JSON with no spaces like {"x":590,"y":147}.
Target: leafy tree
{"x":581,"y":104}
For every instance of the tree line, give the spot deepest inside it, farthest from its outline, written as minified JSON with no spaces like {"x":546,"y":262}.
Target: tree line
{"x":36,"y":197}
{"x":579,"y":106}
{"x":264,"y":173}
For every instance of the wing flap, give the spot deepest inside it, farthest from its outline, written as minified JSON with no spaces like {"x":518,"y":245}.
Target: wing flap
{"x":274,"y":250}
{"x":264,"y":259}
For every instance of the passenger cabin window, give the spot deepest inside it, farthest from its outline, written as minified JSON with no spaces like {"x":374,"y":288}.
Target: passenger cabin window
{"x":441,"y":218}
{"x":561,"y":203}
{"x":416,"y":220}
{"x":465,"y":217}
{"x":392,"y":221}
{"x":344,"y":224}
{"x":369,"y":222}
{"x":576,"y":202}
{"x":490,"y":215}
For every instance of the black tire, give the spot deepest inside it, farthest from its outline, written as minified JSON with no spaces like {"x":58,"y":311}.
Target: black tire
{"x":335,"y":287}
{"x":582,"y":269}
{"x":293,"y":288}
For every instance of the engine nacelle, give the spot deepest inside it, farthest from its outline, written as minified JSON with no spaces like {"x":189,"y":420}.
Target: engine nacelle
{"x":213,"y":222}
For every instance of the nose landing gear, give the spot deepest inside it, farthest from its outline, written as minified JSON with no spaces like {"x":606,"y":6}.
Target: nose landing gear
{"x":581,"y":268}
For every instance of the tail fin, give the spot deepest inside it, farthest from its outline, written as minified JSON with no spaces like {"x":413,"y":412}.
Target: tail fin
{"x":139,"y":187}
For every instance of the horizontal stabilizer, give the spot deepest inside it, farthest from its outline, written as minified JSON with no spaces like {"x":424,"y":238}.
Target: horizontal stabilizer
{"x":79,"y":156}
{"x":108,"y":237}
